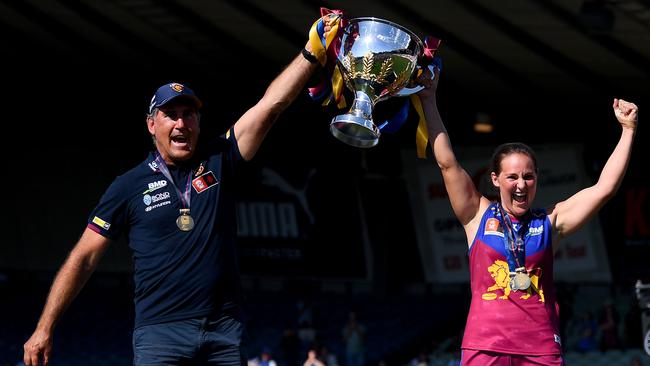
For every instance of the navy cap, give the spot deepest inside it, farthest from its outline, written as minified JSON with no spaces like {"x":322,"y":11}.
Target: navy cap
{"x":167,"y":92}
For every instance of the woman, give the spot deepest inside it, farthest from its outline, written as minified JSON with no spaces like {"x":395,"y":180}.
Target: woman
{"x":513,"y":317}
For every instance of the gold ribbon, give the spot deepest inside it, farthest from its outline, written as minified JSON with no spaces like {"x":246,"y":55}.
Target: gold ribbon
{"x":315,"y":41}
{"x":320,"y":53}
{"x":337,"y":88}
{"x":422,"y":133}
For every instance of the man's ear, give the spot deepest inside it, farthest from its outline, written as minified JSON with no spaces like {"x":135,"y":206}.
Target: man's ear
{"x":150,"y":124}
{"x":495,"y":179}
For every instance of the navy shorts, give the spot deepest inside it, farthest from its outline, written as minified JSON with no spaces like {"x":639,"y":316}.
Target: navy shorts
{"x":200,"y":341}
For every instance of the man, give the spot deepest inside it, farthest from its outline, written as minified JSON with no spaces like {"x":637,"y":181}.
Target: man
{"x":178,"y":212}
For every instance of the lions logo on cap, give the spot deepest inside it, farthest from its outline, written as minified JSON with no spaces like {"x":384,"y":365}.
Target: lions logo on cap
{"x":177,"y":87}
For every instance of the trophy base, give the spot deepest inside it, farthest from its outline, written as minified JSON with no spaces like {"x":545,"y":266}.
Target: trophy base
{"x":355,"y":131}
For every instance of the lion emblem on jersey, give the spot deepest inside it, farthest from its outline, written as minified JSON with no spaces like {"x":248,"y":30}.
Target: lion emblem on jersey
{"x":500,"y":272}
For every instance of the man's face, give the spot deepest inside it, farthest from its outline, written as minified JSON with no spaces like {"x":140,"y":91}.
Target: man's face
{"x":175,"y":127}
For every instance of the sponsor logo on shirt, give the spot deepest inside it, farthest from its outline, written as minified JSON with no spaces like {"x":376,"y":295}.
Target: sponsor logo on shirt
{"x":149,"y":199}
{"x":101,"y":223}
{"x":200,"y":170}
{"x":160,"y":204}
{"x":203,"y":182}
{"x":155,"y":185}
{"x":153,"y":166}
{"x":492,"y":227}
{"x":536,"y":230}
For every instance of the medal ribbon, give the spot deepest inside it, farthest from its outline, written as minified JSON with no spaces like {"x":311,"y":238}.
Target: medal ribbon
{"x":513,"y":241}
{"x":183,"y":196}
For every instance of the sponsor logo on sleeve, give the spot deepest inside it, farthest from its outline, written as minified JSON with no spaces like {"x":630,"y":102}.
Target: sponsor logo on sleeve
{"x":203,"y":182}
{"x":101,"y":223}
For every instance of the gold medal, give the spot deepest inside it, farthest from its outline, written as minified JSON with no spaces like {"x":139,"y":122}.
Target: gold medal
{"x":185,"y":222}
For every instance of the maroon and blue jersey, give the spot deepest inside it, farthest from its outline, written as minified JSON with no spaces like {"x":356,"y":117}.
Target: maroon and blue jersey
{"x":178,"y":274}
{"x":503,"y":320}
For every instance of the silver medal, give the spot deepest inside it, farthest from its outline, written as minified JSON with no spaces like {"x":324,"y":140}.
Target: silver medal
{"x":520,"y":281}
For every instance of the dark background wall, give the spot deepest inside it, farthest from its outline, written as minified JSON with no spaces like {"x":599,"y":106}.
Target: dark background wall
{"x":77,"y":77}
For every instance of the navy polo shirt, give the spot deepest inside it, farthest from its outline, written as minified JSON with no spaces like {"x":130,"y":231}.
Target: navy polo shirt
{"x":178,"y":274}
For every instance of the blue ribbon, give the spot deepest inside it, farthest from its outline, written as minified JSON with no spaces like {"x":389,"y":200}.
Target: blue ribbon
{"x":394,"y":123}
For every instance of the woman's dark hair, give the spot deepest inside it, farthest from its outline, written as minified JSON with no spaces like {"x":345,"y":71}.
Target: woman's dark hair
{"x":511,"y":148}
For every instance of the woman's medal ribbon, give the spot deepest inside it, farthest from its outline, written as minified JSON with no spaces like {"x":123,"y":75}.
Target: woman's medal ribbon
{"x":515,"y":252}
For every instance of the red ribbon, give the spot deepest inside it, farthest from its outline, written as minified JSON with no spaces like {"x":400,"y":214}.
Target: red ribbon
{"x":431,"y":45}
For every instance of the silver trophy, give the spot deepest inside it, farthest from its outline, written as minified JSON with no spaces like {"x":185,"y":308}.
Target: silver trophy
{"x":377,"y":59}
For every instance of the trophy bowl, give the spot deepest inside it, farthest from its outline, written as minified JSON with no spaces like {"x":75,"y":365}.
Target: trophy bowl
{"x":377,"y":59}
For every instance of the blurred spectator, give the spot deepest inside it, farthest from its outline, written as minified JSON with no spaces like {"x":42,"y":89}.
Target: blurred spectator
{"x":307,"y":335}
{"x":608,"y":323}
{"x":354,"y":335}
{"x":305,"y":313}
{"x":265,"y":358}
{"x":312,"y":359}
{"x":587,"y":341}
{"x":587,"y":329}
{"x":328,"y":358}
{"x":306,"y":328}
{"x":421,"y":360}
{"x":455,"y":359}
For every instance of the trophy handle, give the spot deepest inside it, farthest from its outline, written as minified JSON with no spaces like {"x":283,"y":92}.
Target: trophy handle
{"x":408,"y":91}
